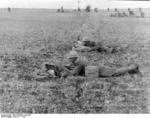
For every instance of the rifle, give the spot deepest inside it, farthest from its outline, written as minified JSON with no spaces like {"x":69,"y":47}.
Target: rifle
{"x":55,"y":68}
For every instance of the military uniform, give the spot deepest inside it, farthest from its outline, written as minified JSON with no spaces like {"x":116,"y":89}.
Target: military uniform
{"x":76,"y":68}
{"x":87,"y":45}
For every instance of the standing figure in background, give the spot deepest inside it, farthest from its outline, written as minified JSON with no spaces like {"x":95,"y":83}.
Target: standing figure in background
{"x":124,"y":14}
{"x":9,"y":9}
{"x":142,"y":14}
{"x":131,"y":13}
{"x":108,"y":9}
{"x":140,"y":9}
{"x":62,"y":9}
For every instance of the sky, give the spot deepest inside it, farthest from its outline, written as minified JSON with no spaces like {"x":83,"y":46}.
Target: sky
{"x":72,"y":4}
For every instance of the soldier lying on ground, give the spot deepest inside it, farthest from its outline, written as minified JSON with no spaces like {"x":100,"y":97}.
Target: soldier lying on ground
{"x":77,"y":67}
{"x":83,"y":44}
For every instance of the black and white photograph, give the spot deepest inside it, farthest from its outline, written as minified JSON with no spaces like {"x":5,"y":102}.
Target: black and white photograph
{"x":74,"y":57}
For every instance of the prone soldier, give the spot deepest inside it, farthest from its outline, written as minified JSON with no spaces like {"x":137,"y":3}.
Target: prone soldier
{"x":77,"y":67}
{"x":83,"y":44}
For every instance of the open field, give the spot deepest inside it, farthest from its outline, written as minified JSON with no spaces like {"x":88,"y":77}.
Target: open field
{"x":28,"y":38}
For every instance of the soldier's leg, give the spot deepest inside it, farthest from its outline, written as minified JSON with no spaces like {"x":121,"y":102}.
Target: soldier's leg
{"x":104,"y":71}
{"x":109,"y":72}
{"x":132,"y":69}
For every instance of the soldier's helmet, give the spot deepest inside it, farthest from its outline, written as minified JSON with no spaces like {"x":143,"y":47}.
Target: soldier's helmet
{"x":72,"y":54}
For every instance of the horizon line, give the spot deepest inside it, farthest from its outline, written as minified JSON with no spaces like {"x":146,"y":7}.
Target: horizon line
{"x":68,"y":8}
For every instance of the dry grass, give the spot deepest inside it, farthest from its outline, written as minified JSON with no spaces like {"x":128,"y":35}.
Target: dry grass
{"x":31,"y":38}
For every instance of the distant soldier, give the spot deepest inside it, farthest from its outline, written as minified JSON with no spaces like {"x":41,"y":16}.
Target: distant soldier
{"x":124,"y":14}
{"x":84,"y":44}
{"x":58,"y":10}
{"x":79,"y":6}
{"x":108,"y":9}
{"x":140,"y":9}
{"x":9,"y":9}
{"x":131,"y":13}
{"x":119,"y":14}
{"x":142,"y":14}
{"x":79,"y":9}
{"x":88,"y":8}
{"x":115,"y":9}
{"x":95,"y":9}
{"x":62,"y":9}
